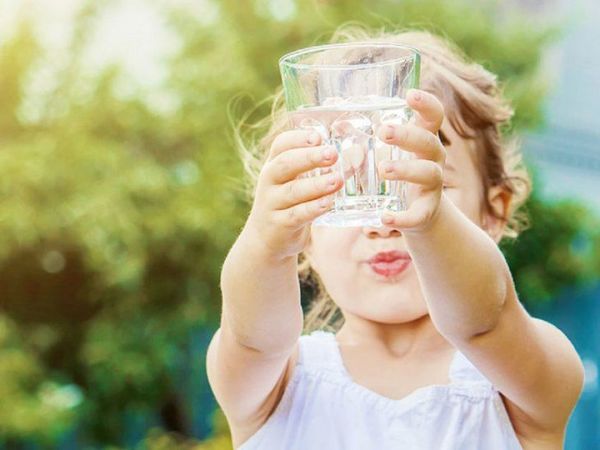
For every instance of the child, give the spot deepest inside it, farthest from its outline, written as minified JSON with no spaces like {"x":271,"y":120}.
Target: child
{"x":418,"y":338}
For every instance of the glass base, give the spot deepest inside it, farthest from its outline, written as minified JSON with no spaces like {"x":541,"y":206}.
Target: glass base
{"x":361,"y":211}
{"x":350,"y":219}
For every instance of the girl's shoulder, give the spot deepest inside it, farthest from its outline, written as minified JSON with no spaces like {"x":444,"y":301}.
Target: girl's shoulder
{"x":317,"y":351}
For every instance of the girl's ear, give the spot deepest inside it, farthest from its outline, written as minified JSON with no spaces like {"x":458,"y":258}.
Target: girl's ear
{"x":499,"y":198}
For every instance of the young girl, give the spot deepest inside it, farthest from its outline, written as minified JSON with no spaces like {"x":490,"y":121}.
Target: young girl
{"x":418,"y":338}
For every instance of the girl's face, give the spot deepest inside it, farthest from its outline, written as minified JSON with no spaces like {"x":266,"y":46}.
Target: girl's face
{"x":341,"y":255}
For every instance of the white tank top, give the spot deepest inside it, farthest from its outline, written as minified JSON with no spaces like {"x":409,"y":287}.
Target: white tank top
{"x":323,"y":408}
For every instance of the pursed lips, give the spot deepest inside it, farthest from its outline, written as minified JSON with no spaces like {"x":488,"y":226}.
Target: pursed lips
{"x":389,"y":263}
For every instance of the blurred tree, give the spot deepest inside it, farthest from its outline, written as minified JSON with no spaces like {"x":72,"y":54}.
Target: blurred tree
{"x":560,"y":249}
{"x":221,"y":440}
{"x":117,"y":211}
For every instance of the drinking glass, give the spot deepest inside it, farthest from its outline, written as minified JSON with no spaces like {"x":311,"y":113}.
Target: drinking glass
{"x":345,"y":92}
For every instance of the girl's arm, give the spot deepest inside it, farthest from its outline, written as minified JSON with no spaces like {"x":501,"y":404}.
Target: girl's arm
{"x":473,"y":303}
{"x":470,"y":292}
{"x":248,"y":360}
{"x":259,"y":279}
{"x":261,"y":296}
{"x":251,"y":355}
{"x":463,"y":274}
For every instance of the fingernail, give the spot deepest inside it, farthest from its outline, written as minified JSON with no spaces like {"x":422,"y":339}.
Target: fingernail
{"x":313,"y":138}
{"x":388,"y":167}
{"x":387,"y":219}
{"x":416,"y":95}
{"x":388,"y":132}
{"x":328,"y":153}
{"x":325,"y":201}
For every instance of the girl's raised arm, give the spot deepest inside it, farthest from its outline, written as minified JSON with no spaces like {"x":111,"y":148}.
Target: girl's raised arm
{"x":262,"y":319}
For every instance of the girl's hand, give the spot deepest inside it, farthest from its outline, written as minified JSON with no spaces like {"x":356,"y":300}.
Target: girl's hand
{"x":425,"y":171}
{"x":285,"y":204}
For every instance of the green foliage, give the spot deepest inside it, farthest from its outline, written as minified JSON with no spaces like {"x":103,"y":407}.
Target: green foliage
{"x":560,"y":249}
{"x":117,"y":211}
{"x":40,"y":406}
{"x":110,"y":251}
{"x":221,"y":440}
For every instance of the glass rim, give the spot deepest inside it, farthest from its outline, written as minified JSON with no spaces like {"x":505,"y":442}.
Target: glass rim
{"x":284,"y":60}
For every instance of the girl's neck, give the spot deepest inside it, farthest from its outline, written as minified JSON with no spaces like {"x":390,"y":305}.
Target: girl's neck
{"x":401,"y":340}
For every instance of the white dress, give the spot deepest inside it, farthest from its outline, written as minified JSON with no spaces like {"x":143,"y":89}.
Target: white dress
{"x":323,"y":408}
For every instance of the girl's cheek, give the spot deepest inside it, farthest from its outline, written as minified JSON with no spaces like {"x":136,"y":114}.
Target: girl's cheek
{"x":467,"y":202}
{"x":455,"y":195}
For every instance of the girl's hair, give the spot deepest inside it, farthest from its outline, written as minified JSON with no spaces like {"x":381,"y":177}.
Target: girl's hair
{"x":473,"y":105}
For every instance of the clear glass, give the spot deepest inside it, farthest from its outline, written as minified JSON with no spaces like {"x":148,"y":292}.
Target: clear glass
{"x":345,"y":92}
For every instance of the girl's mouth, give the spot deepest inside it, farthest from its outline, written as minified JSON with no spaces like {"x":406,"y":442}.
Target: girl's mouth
{"x":389,"y":269}
{"x":389,"y":264}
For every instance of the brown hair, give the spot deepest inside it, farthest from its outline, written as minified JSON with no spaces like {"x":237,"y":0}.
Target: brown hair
{"x":475,"y":108}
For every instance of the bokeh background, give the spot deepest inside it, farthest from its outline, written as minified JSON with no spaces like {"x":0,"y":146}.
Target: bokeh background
{"x":121,"y":192}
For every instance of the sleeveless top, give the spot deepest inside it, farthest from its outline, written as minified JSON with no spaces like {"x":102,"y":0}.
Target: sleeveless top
{"x":323,"y":408}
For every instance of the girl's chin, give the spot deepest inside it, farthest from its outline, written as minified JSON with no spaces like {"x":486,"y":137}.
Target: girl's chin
{"x":383,"y":307}
{"x":393,"y":316}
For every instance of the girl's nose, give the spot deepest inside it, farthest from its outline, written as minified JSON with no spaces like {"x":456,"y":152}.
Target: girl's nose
{"x":381,"y":232}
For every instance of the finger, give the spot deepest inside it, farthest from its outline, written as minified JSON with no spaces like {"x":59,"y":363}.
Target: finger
{"x":353,"y":160}
{"x":300,"y":215}
{"x":426,"y":173}
{"x":419,"y":214}
{"x":288,"y":165}
{"x":303,"y":190}
{"x":293,"y":139}
{"x":430,"y":111}
{"x":415,"y":139}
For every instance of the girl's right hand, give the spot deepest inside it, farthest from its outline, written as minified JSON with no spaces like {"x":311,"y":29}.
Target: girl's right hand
{"x":285,"y":204}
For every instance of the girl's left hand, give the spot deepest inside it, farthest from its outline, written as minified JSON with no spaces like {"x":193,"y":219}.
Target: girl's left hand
{"x":426,"y":171}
